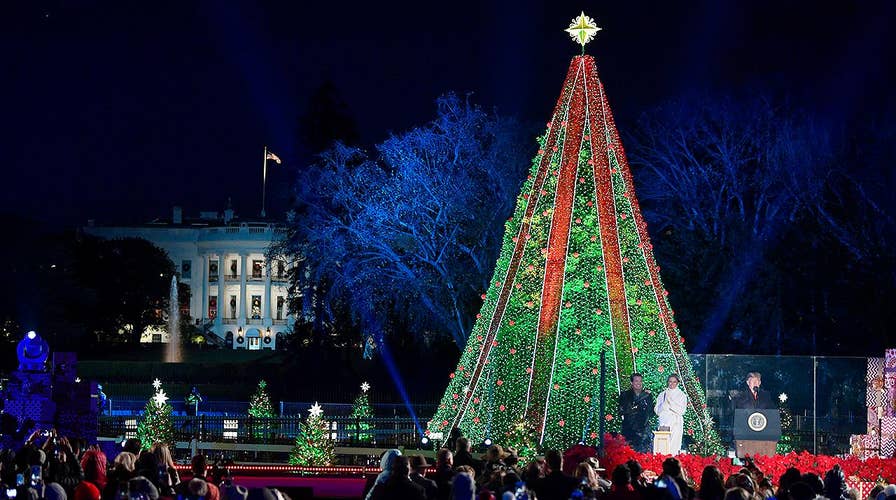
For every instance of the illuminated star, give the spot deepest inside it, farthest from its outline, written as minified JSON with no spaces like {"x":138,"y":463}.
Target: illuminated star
{"x":157,"y":384}
{"x":160,"y":398}
{"x":365,"y":387}
{"x":77,"y":380}
{"x":782,"y":397}
{"x":466,"y":389}
{"x":316,"y":411}
{"x":582,"y":29}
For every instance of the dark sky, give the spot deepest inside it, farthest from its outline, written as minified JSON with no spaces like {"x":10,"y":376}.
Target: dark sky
{"x":117,"y":110}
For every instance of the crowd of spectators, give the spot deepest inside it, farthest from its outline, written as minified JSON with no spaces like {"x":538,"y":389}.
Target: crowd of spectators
{"x":497,"y":475}
{"x":51,"y":467}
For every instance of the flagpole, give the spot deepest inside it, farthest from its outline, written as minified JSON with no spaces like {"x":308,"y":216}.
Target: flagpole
{"x":264,"y":179}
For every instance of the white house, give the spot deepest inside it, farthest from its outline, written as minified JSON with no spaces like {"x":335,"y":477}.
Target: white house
{"x":236,"y":293}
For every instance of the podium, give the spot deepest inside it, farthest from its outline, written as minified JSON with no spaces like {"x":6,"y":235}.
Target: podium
{"x":662,"y":442}
{"x":756,"y":432}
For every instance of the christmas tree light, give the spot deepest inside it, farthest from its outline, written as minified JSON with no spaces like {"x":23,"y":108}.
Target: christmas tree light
{"x":576,"y":276}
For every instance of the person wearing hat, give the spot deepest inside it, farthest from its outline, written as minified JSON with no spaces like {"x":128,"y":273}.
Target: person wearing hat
{"x":418,"y":476}
{"x":494,"y":460}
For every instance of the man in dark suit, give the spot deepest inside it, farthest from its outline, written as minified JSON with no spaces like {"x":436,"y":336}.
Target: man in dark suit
{"x":555,"y":485}
{"x":418,"y":476}
{"x":752,"y":397}
{"x":462,"y":456}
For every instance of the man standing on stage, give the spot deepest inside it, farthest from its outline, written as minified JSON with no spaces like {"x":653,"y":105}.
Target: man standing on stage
{"x":634,"y":404}
{"x":751,"y":397}
{"x":670,"y":407}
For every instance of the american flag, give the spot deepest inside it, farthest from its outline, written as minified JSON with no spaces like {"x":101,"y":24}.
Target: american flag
{"x":272,"y":156}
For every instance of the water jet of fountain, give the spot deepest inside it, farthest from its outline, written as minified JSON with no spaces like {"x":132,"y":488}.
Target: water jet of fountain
{"x":172,"y":350}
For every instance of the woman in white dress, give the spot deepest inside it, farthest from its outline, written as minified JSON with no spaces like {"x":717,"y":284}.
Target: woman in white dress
{"x":670,"y":407}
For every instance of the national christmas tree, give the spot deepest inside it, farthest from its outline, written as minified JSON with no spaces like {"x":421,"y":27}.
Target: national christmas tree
{"x":156,"y":426}
{"x":360,"y":427}
{"x":314,"y":445}
{"x":576,"y":276}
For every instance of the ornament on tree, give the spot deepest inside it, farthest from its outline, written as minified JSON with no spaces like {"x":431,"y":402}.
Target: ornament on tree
{"x":577,"y":221}
{"x":155,"y":426}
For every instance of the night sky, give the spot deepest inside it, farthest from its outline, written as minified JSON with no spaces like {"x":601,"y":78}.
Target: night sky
{"x":117,"y":110}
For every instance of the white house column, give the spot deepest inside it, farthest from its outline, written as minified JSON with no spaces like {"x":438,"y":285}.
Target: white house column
{"x":267,"y":293}
{"x":243,"y":308}
{"x":219,"y":317}
{"x":203,"y":275}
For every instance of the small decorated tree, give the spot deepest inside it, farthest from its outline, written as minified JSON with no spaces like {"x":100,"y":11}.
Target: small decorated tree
{"x":788,"y":440}
{"x":522,"y":439}
{"x":314,"y":445}
{"x":360,"y":427}
{"x":260,"y":407}
{"x":156,"y":427}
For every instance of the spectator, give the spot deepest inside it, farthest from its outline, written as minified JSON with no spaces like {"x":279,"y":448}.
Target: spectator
{"x":835,"y":484}
{"x":463,"y":486}
{"x":555,"y":485}
{"x":494,"y":460}
{"x":386,"y":463}
{"x":814,"y":482}
{"x":673,"y":480}
{"x":712,"y":486}
{"x":790,"y":476}
{"x":399,"y":485}
{"x":765,"y":489}
{"x":737,"y":494}
{"x":93,"y":463}
{"x":168,"y":477}
{"x":444,"y":473}
{"x":122,"y":472}
{"x":418,"y":476}
{"x":534,"y":471}
{"x":466,"y":469}
{"x":462,"y":455}
{"x":54,"y":491}
{"x":587,"y":477}
{"x":622,"y":488}
{"x":801,"y":491}
{"x":199,"y":468}
{"x":639,"y":483}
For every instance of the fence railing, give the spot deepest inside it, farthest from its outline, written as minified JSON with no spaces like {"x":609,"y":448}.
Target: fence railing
{"x":344,"y":430}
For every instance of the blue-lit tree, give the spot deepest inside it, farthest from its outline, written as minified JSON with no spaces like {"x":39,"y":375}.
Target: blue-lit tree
{"x":412,"y":228}
{"x":752,"y":201}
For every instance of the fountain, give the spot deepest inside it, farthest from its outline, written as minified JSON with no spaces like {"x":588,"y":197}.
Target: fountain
{"x":172,"y":350}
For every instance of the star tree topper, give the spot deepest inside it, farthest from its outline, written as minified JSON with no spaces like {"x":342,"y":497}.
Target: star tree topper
{"x":365,"y":387}
{"x":316,"y":411}
{"x":582,"y":29}
{"x":160,"y":398}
